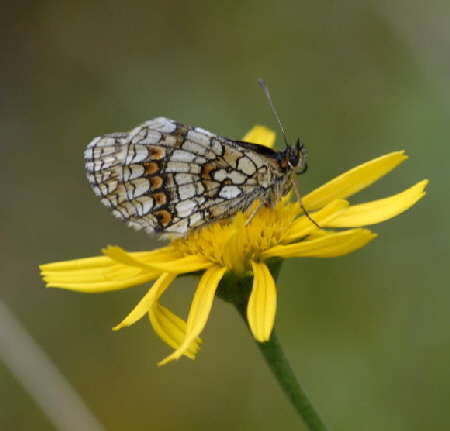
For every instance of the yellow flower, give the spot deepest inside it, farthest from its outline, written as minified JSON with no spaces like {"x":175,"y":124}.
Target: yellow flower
{"x":233,"y":250}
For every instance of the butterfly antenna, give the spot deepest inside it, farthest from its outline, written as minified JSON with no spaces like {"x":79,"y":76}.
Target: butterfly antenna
{"x":264,"y":87}
{"x":294,"y":183}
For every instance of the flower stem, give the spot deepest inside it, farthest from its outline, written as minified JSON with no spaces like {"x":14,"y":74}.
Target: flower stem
{"x":236,"y":290}
{"x":276,"y":360}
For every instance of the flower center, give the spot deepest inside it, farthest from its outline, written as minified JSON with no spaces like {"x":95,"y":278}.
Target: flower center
{"x":234,"y":243}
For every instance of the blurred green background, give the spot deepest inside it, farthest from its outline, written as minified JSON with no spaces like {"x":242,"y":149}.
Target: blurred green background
{"x":368,"y":334}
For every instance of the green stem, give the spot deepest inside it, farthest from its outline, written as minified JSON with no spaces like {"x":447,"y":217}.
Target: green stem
{"x":236,"y":290}
{"x":276,"y":360}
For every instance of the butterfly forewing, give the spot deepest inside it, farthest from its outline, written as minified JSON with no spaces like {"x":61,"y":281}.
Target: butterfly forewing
{"x":172,"y":178}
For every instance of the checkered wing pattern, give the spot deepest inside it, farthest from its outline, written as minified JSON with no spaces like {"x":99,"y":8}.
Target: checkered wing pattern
{"x":171,"y":178}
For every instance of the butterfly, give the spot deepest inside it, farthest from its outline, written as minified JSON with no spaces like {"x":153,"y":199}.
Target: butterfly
{"x":172,"y":178}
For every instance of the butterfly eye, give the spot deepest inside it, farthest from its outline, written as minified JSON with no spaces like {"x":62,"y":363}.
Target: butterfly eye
{"x":293,"y":159}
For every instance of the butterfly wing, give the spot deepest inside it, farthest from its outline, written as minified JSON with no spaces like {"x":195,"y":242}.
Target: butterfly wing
{"x":168,"y":177}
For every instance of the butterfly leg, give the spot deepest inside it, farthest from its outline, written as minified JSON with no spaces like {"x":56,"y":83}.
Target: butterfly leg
{"x":299,"y":198}
{"x":254,"y":213}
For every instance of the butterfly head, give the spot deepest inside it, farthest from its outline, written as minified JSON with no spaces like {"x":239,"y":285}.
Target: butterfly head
{"x":293,"y":158}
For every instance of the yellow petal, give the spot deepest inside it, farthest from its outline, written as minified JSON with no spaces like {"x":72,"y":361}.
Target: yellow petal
{"x":120,"y":255}
{"x":380,"y":210}
{"x":144,"y":305}
{"x":89,"y":279}
{"x":303,"y":226}
{"x":140,"y":259}
{"x":181,"y":266}
{"x":77,"y":264}
{"x":261,"y":135}
{"x":171,"y":329}
{"x":330,"y":245}
{"x":99,"y":281}
{"x":353,"y":180}
{"x":119,"y":269}
{"x":200,"y":309}
{"x":233,"y":248}
{"x":262,"y":303}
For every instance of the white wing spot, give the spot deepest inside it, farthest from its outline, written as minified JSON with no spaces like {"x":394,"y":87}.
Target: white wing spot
{"x":246,"y":165}
{"x":186,"y":191}
{"x":186,"y":208}
{"x":230,"y":192}
{"x":182,"y":156}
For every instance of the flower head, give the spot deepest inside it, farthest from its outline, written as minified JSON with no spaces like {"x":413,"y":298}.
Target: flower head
{"x":239,"y":248}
